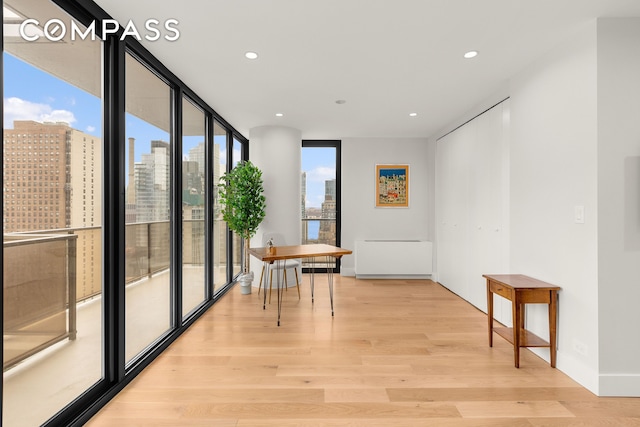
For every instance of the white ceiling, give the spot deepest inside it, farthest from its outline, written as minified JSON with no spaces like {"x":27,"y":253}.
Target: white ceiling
{"x":386,"y":58}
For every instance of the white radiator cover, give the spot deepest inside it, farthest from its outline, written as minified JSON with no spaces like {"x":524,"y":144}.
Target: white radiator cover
{"x":393,"y":258}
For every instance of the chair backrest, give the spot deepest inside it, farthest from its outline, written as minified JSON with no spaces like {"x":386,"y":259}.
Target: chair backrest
{"x":278,"y":239}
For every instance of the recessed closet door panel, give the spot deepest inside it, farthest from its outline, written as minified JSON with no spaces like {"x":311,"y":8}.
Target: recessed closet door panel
{"x":470,"y":200}
{"x":452,"y":171}
{"x":485,"y":204}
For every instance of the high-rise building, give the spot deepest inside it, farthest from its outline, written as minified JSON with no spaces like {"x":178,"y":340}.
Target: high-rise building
{"x":196,"y":154}
{"x":216,"y":168}
{"x":192,"y":178}
{"x":52,"y":180}
{"x":151,"y":176}
{"x":327,"y":231}
{"x":303,"y":194}
{"x":85,"y":178}
{"x":330,"y":189}
{"x":52,"y":176}
{"x":303,"y":208}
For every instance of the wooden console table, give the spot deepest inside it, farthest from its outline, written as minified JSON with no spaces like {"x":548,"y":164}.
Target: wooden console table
{"x":521,"y":290}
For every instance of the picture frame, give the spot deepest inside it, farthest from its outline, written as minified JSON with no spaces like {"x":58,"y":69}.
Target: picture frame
{"x":392,"y":186}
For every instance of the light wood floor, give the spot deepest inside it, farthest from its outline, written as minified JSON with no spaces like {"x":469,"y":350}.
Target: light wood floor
{"x":397,"y":353}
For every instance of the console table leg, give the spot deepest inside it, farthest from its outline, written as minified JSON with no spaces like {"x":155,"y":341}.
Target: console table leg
{"x":490,"y":312}
{"x":515,"y":308}
{"x":553,"y":318}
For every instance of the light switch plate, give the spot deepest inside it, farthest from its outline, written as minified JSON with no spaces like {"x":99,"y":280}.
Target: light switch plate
{"x":578,"y":212}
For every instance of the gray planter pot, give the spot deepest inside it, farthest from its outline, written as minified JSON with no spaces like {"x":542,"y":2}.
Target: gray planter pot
{"x":245,"y":281}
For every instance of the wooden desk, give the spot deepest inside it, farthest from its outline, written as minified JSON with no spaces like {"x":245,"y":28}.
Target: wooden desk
{"x":521,"y":290}
{"x":283,"y":253}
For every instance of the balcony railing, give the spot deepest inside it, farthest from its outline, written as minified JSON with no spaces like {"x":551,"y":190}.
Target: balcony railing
{"x":39,"y":279}
{"x":318,"y":230}
{"x":46,"y":272}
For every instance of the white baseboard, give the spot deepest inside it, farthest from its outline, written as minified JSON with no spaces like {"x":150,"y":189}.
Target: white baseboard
{"x":620,"y":385}
{"x":349,"y":272}
{"x":573,"y":367}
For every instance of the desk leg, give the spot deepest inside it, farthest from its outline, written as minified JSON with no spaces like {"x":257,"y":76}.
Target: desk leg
{"x":280,"y":286}
{"x":313,"y":270}
{"x":516,"y":314}
{"x":330,"y":280}
{"x":265,"y":276}
{"x":490,"y":312}
{"x":553,"y":318}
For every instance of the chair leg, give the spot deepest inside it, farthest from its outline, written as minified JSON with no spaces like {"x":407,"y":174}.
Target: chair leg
{"x":260,"y":282}
{"x":297,"y":282}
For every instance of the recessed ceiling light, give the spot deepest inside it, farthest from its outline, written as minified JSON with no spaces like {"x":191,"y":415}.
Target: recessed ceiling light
{"x":413,"y":114}
{"x":279,"y":114}
{"x":251,"y":55}
{"x":471,"y":54}
{"x":341,"y":101}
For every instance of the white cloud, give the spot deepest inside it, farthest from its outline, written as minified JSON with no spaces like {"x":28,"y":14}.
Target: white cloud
{"x":19,"y":109}
{"x":91,"y":129}
{"x":321,"y":174}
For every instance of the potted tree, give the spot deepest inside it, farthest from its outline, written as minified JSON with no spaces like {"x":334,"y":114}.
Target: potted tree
{"x":240,"y":193}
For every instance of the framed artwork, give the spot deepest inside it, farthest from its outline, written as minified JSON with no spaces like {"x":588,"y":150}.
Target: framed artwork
{"x":392,"y":186}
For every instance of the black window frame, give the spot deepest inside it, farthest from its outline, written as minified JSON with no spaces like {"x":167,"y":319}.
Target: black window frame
{"x":337,"y":144}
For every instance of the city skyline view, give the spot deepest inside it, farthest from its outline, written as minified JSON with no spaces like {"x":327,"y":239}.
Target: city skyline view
{"x":63,"y":102}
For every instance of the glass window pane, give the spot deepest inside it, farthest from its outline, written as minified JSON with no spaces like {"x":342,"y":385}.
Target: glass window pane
{"x":219,"y":226}
{"x":318,"y":201}
{"x":52,"y":220}
{"x":193,"y":209}
{"x":148,"y":195}
{"x":237,"y":241}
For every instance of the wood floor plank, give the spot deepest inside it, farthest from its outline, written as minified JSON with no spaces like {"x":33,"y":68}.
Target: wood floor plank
{"x":343,"y":410}
{"x":386,"y":422}
{"x":400,"y":353}
{"x":502,"y":409}
{"x":487,"y":393}
{"x":349,"y":394}
{"x":586,"y":422}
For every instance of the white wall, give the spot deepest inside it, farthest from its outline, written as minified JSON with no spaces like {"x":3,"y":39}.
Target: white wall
{"x":360,"y":218}
{"x":276,"y":151}
{"x":553,"y":168}
{"x":619,"y":205}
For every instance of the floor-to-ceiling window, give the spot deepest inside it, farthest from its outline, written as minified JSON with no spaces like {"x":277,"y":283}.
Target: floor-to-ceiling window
{"x":236,"y":157}
{"x":194,"y":194}
{"x":109,"y":228}
{"x":52,"y":216}
{"x":320,"y":196}
{"x":219,"y":243}
{"x":148,"y":208}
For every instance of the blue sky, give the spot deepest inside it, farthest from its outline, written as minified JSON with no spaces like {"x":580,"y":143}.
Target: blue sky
{"x":31,"y":94}
{"x":319,"y":163}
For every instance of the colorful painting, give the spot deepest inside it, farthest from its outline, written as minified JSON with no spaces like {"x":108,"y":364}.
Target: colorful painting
{"x":392,"y":186}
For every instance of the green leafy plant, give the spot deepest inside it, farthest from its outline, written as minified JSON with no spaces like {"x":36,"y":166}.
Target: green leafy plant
{"x":240,"y":194}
